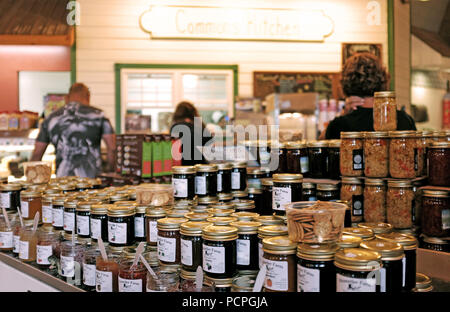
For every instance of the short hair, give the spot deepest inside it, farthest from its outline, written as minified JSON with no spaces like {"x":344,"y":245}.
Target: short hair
{"x":185,"y":110}
{"x":80,"y":89}
{"x":363,"y":75}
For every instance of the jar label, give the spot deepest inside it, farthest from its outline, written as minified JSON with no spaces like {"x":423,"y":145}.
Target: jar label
{"x":89,"y":274}
{"x":186,"y":252}
{"x":403,"y":271}
{"x":16,"y":240}
{"x":24,"y":249}
{"x":83,"y":225}
{"x":277,"y":277}
{"x":6,"y":240}
{"x":445,"y":219}
{"x":153,"y":231}
{"x":219,"y":182}
{"x":235,"y":180}
{"x":351,"y":284}
{"x":180,"y":187}
{"x":167,"y":248}
{"x":358,"y":159}
{"x":57,"y":217}
{"x":308,"y":280}
{"x":139,"y":227}
{"x":67,"y":266}
{"x":103,"y":281}
{"x":357,"y":205}
{"x":200,"y":185}
{"x":281,"y":196}
{"x":96,"y":229}
{"x":304,"y":164}
{"x":5,"y":200}
{"x":69,"y":221}
{"x":47,"y":214}
{"x":260,"y":254}
{"x":213,"y":259}
{"x":117,"y":232}
{"x":382,"y":280}
{"x":130,"y":285}
{"x":243,"y":251}
{"x":24,"y":209}
{"x":43,"y":252}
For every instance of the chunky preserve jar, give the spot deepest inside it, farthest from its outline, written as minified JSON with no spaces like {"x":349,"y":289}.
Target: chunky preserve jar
{"x":10,"y":196}
{"x":169,"y":240}
{"x":71,"y":261}
{"x":439,"y":163}
{"x":384,"y":111}
{"x":239,"y":176}
{"x":280,"y":261}
{"x":287,"y":188}
{"x":334,"y":159}
{"x":376,"y":154}
{"x":247,"y":246}
{"x":266,"y":232}
{"x":436,"y":213}
{"x":99,"y":222}
{"x":400,"y":204}
{"x":267,"y":187}
{"x":106,"y":273}
{"x":132,"y":277}
{"x":327,"y":192}
{"x":420,"y":153}
{"x":352,"y":154}
{"x":224,"y":177}
{"x":121,"y":225}
{"x":352,"y":192}
{"x":191,"y":244}
{"x":83,"y":214}
{"x":30,"y":204}
{"x":206,"y":180}
{"x":47,"y":244}
{"x":374,"y":200}
{"x":70,"y":206}
{"x":402,"y":154}
{"x":315,"y":268}
{"x":318,"y":159}
{"x":297,"y":158}
{"x":7,"y":235}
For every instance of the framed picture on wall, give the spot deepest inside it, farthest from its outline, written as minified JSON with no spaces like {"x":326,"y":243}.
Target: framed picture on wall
{"x":348,"y":49}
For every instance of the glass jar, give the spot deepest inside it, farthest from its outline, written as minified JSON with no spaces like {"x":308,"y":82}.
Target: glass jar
{"x":246,"y":205}
{"x":82,"y":220}
{"x":435,"y":243}
{"x":140,"y":234}
{"x":7,"y":235}
{"x":354,"y":270}
{"x":46,"y":246}
{"x":106,"y":273}
{"x":27,"y":244}
{"x":152,"y":215}
{"x":287,"y":188}
{"x":58,"y":212}
{"x":47,"y":218}
{"x":89,"y":267}
{"x":267,"y":186}
{"x":315,"y":268}
{"x":352,"y":154}
{"x":225,"y":197}
{"x":69,"y":217}
{"x":168,"y":280}
{"x":278,"y":150}
{"x":238,"y":195}
{"x":348,"y":213}
{"x":327,"y":192}
{"x":439,"y":164}
{"x":247,"y":246}
{"x":10,"y":196}
{"x":384,"y":111}
{"x":224,"y":178}
{"x":334,"y":158}
{"x":222,"y":285}
{"x":221,"y":220}
{"x":239,"y":176}
{"x":206,"y":180}
{"x":243,"y":284}
{"x":71,"y":261}
{"x":191,"y":244}
{"x":376,"y":154}
{"x":308,"y":192}
{"x":435,"y":213}
{"x":402,"y":154}
{"x":280,"y":261}
{"x":16,"y":238}
{"x":423,"y":283}
{"x":376,"y":227}
{"x":245,"y":215}
{"x":188,"y":283}
{"x":349,"y":241}
{"x":399,"y":204}
{"x":366,"y":234}
{"x":255,"y":195}
{"x":254,"y":176}
{"x":169,"y":240}
{"x":269,"y":231}
{"x":30,"y":204}
{"x":374,"y":200}
{"x":419,"y":153}
{"x":297,"y":160}
{"x":121,"y":225}
{"x":418,"y":201}
{"x":352,"y":192}
{"x":99,"y":222}
{"x":318,"y":159}
{"x":219,"y":251}
{"x":132,"y":278}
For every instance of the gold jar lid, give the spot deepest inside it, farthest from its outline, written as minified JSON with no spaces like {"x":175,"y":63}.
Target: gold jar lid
{"x":349,"y":241}
{"x":206,"y":168}
{"x":352,"y":135}
{"x":295,"y":145}
{"x":71,"y":203}
{"x":222,"y":282}
{"x":384,"y":94}
{"x":125,"y":203}
{"x":119,"y":197}
{"x":287,"y":178}
{"x":220,"y":205}
{"x":239,"y":194}
{"x":423,"y":283}
{"x":273,"y":230}
{"x":155,"y":212}
{"x":326,"y":187}
{"x":52,"y":190}
{"x":376,"y":227}
{"x":30,"y":193}
{"x":269,"y":220}
{"x":219,"y":233}
{"x":58,"y":200}
{"x":193,"y":228}
{"x":351,"y":180}
{"x":276,"y":144}
{"x":442,"y":144}
{"x":141,"y":209}
{"x":169,"y":223}
{"x":279,"y":245}
{"x":244,"y":204}
{"x":183,"y":169}
{"x":48,"y":198}
{"x":376,"y":134}
{"x":219,"y":212}
{"x":334,"y":143}
{"x":408,"y":242}
{"x":224,"y":166}
{"x":245,"y":216}
{"x":221,"y":220}
{"x":85,"y":205}
{"x":246,"y":227}
{"x":121,"y":211}
{"x":374,"y":182}
{"x":103,"y":198}
{"x":402,"y":134}
{"x":389,"y":251}
{"x":267,"y":182}
{"x":224,"y":197}
{"x":435,"y":193}
{"x":357,"y":259}
{"x":399,"y":183}
{"x":100,"y":209}
{"x":256,"y":170}
{"x":324,"y":252}
{"x":364,"y":233}
{"x":435,"y":240}
{"x":239,"y":164}
{"x":308,"y":186}
{"x":207,"y":200}
{"x":177,"y":213}
{"x":198,"y":216}
{"x":83,"y":185}
{"x":321,"y":143}
{"x":10,"y":187}
{"x":67,"y":187}
{"x":188,"y":275}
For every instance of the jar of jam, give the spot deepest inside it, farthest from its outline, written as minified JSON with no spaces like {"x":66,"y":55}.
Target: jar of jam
{"x":435,"y":243}
{"x":121,"y":226}
{"x":352,"y":154}
{"x":219,"y":251}
{"x":221,"y":220}
{"x":205,"y":202}
{"x":238,"y":195}
{"x":399,"y":204}
{"x":349,"y":241}
{"x":30,"y":204}
{"x":7,"y":235}
{"x":374,"y":200}
{"x":435,"y":213}
{"x":423,"y":283}
{"x":402,"y":154}
{"x":254,"y":176}
{"x":70,"y":206}
{"x":139,"y":223}
{"x":117,"y":197}
{"x":47,"y":212}
{"x":255,"y":195}
{"x":89,"y":266}
{"x":376,"y":154}
{"x":47,"y":244}
{"x":315,"y":268}
{"x":327,"y":192}
{"x":334,"y":158}
{"x":198,"y":216}
{"x":384,"y":111}
{"x":224,"y":197}
{"x":279,"y":259}
{"x":206,"y":180}
{"x":224,"y":178}
{"x":352,"y":192}
{"x":308,"y":192}
{"x":71,"y":261}
{"x":318,"y":159}
{"x":219,"y":212}
{"x":10,"y":196}
{"x":247,"y":246}
{"x":245,"y":215}
{"x":354,"y":270}
{"x":287,"y":188}
{"x":376,"y":227}
{"x":58,"y":212}
{"x":82,"y":218}
{"x":168,"y":280}
{"x":107,"y":272}
{"x":132,"y":278}
{"x":246,"y":205}
{"x":169,"y":240}
{"x":439,"y":163}
{"x":188,"y":283}
{"x":191,"y":244}
{"x":269,"y":220}
{"x":297,"y":157}
{"x":243,"y":284}
{"x":222,"y":284}
{"x":239,"y":176}
{"x":152,"y":215}
{"x":99,"y":222}
{"x":278,"y":151}
{"x":267,"y":187}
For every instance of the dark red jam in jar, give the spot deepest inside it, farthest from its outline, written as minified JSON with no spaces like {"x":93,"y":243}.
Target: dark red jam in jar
{"x":287,"y":188}
{"x":224,"y":178}
{"x":278,"y":150}
{"x":206,"y":180}
{"x":297,"y":159}
{"x":435,"y":213}
{"x":183,"y":182}
{"x":99,"y":221}
{"x":334,"y":170}
{"x":266,"y":207}
{"x":10,"y":196}
{"x":247,"y":246}
{"x":121,"y":225}
{"x":318,"y":159}
{"x":439,"y":164}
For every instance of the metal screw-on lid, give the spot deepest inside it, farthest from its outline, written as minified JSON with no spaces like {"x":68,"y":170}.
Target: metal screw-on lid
{"x":389,"y":251}
{"x":170,"y":223}
{"x":376,"y":227}
{"x":279,"y":245}
{"x":287,"y":178}
{"x":364,"y":233}
{"x":193,"y":227}
{"x":351,"y":180}
{"x":222,"y":220}
{"x":240,"y":164}
{"x":352,"y":135}
{"x":295,"y":145}
{"x":206,"y":168}
{"x":357,"y":259}
{"x":324,"y":252}
{"x":183,"y":169}
{"x":326,"y":187}
{"x":408,"y":242}
{"x":376,"y":134}
{"x":224,"y":166}
{"x":246,"y":227}
{"x":219,"y":233}
{"x":384,"y":94}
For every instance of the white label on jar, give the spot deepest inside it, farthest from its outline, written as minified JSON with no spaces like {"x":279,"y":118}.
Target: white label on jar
{"x":89,"y":274}
{"x":130,"y":285}
{"x":96,"y":228}
{"x":446,"y":219}
{"x":23,"y":249}
{"x":153,"y":231}
{"x":243,"y":251}
{"x":277,"y":277}
{"x":351,"y":284}
{"x":69,"y":221}
{"x":57,"y":217}
{"x":6,"y":240}
{"x":308,"y":280}
{"x":117,"y":232}
{"x":47,"y":214}
{"x":200,"y":185}
{"x":43,"y":252}
{"x":281,"y":196}
{"x":403,"y":271}
{"x":235,"y":180}
{"x":103,"y":281}
{"x":5,"y":200}
{"x":167,"y":248}
{"x":83,"y":225}
{"x":213,"y":259}
{"x":186,"y":252}
{"x":139,"y":227}
{"x":16,"y":240}
{"x":382,"y":280}
{"x":67,"y":266}
{"x":24,"y":209}
{"x":304,"y":164}
{"x":180,"y":188}
{"x":260,"y":254}
{"x":219,"y":182}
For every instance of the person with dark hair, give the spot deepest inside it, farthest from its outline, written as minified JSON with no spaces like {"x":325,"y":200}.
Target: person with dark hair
{"x":362,"y":76}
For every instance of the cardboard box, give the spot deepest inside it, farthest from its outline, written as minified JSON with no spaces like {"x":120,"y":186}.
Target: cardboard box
{"x":433,"y":263}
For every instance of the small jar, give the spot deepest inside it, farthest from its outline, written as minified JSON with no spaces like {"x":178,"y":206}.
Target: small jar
{"x":352,"y":192}
{"x":224,"y":178}
{"x":245,"y":215}
{"x":366,"y":234}
{"x":245,"y":205}
{"x":374,"y":200}
{"x":254,"y":176}
{"x":224,"y":197}
{"x":132,"y":278}
{"x":30,"y":204}
{"x":278,"y":150}
{"x":267,"y":187}
{"x":349,"y":241}
{"x":16,"y":238}
{"x":256,"y":195}
{"x":297,"y":159}
{"x":47,"y":212}
{"x":352,"y":154}
{"x":89,"y":267}
{"x":435,"y":213}
{"x":7,"y":235}
{"x":269,"y":220}
{"x":71,"y":261}
{"x":247,"y":246}
{"x":287,"y":188}
{"x":402,"y":154}
{"x":219,"y":251}
{"x":309,"y":192}
{"x":318,"y":159}
{"x":191,"y":244}
{"x":140,"y":235}
{"x":152,"y":215}
{"x":121,"y":226}
{"x":206,"y":180}
{"x":169,"y":240}
{"x":439,"y":163}
{"x":384,"y":111}
{"x":239,"y":176}
{"x":27,"y":244}
{"x":354,"y":270}
{"x":315,"y":269}
{"x":82,"y":220}
{"x":222,"y":285}
{"x":376,"y":227}
{"x":280,"y":261}
{"x":334,"y":158}
{"x":435,"y":243}
{"x":69,"y":217}
{"x":327,"y":192}
{"x":99,"y":222}
{"x":399,"y":204}
{"x":106,"y":273}
{"x":238,"y":195}
{"x":376,"y":154}
{"x":168,"y":280}
{"x":10,"y":196}
{"x":46,"y":246}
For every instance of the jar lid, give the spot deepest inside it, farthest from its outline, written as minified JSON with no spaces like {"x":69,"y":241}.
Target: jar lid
{"x":435,"y":193}
{"x":376,"y":134}
{"x":307,"y":185}
{"x":30,"y":193}
{"x":324,"y":251}
{"x":268,"y":220}
{"x":349,"y":241}
{"x":435,"y":240}
{"x":207,"y":200}
{"x":52,"y":190}
{"x":10,"y":187}
{"x":295,"y":145}
{"x":177,"y":213}
{"x":322,"y":143}
{"x":222,"y":282}
{"x":399,"y":183}
{"x":273,"y":230}
{"x":224,"y":166}
{"x":408,"y":242}
{"x":352,"y":135}
{"x":389,"y":251}
{"x":375,"y":182}
{"x":188,"y":275}
{"x":245,"y":216}
{"x":334,"y":143}
{"x":119,"y":197}
{"x":224,"y":196}
{"x":71,"y":203}
{"x":287,"y":178}
{"x":121,"y":211}
{"x":351,"y":180}
{"x":246,"y":227}
{"x":384,"y":94}
{"x":100,"y":209}
{"x":183,"y":169}
{"x":423,"y":283}
{"x":357,"y":259}
{"x":279,"y":245}
{"x":58,"y":200}
{"x":221,"y":220}
{"x":244,"y":204}
{"x":256,"y":170}
{"x":155,"y":212}
{"x":83,"y":185}
{"x":49,"y":197}
{"x":206,"y":168}
{"x":85,"y":205}
{"x":220,"y":232}
{"x":240,"y":164}
{"x":221,"y":205}
{"x":67,"y":187}
{"x":441,"y":144}
{"x":356,"y":231}
{"x":376,"y":227}
{"x":402,"y":134}
{"x":193,"y":227}
{"x":197,"y":216}
{"x":267,"y":182}
{"x":217,"y":212}
{"x":170,"y":223}
{"x":239,"y":194}
{"x":141,"y":209}
{"x":326,"y":187}
{"x":276,"y":144}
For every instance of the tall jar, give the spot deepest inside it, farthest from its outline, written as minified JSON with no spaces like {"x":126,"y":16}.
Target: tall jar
{"x":352,"y":154}
{"x":71,"y":261}
{"x":30,"y":204}
{"x":7,"y":235}
{"x":83,"y":213}
{"x":318,"y":159}
{"x":374,"y":200}
{"x":169,"y":240}
{"x":267,"y":186}
{"x":439,"y":164}
{"x":334,"y":156}
{"x":70,"y":206}
{"x":89,"y":267}
{"x":224,"y":177}
{"x":239,"y":176}
{"x":376,"y":154}
{"x":152,"y":215}
{"x":255,"y":195}
{"x":191,"y":244}
{"x":287,"y":188}
{"x":402,"y":154}
{"x":121,"y":225}
{"x":27,"y":244}
{"x":140,"y":235}
{"x":297,"y":158}
{"x":266,"y":232}
{"x":278,"y":150}
{"x":327,"y":192}
{"x":384,"y":111}
{"x":352,"y":192}
{"x":247,"y":246}
{"x":435,"y":213}
{"x":309,"y":192}
{"x":10,"y":196}
{"x":58,"y":212}
{"x":99,"y":222}
{"x":206,"y":180}
{"x":47,"y":209}
{"x":46,"y":247}
{"x":400,"y":204}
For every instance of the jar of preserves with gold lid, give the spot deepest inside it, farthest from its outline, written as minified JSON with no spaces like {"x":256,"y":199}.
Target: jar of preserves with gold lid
{"x":48,"y":242}
{"x":436,"y":213}
{"x":10,"y":196}
{"x":267,"y":196}
{"x":169,"y":240}
{"x":327,"y":192}
{"x":245,"y":215}
{"x":255,"y":195}
{"x":121,"y":225}
{"x":402,"y":154}
{"x":247,"y":246}
{"x":287,"y":188}
{"x":206,"y":180}
{"x":239,"y":176}
{"x":30,"y":204}
{"x":297,"y":158}
{"x":98,"y":222}
{"x":439,"y":163}
{"x":318,"y":159}
{"x":400,"y":204}
{"x":191,"y":244}
{"x":278,"y":151}
{"x":349,"y":241}
{"x":384,"y":111}
{"x":376,"y":154}
{"x":82,"y":220}
{"x":7,"y":234}
{"x":71,"y":261}
{"x":67,"y":188}
{"x":222,"y":284}
{"x":365,"y":233}
{"x":224,"y":178}
{"x":352,"y":192}
{"x":266,"y":232}
{"x":309,"y":192}
{"x":376,"y":227}
{"x":58,"y":212}
{"x":70,"y":206}
{"x":254,"y":176}
{"x":139,"y":223}
{"x":27,"y":244}
{"x":435,"y":243}
{"x":269,"y":220}
{"x":176,"y":213}
{"x":374,"y":200}
{"x":221,"y":220}
{"x":334,"y":156}
{"x":352,"y":154}
{"x":117,"y":197}
{"x":188,"y":283}
{"x":224,"y":197}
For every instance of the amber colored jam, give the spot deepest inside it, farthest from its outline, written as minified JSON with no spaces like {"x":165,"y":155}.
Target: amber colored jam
{"x":282,"y":267}
{"x":132,"y":278}
{"x":223,"y":250}
{"x":169,"y":246}
{"x":103,"y":281}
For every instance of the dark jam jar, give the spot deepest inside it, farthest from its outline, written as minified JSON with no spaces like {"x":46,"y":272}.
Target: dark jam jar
{"x":183,"y":182}
{"x":315,"y":269}
{"x":318,"y":159}
{"x":267,"y":231}
{"x":266,"y":207}
{"x":287,"y":188}
{"x":121,"y":225}
{"x":70,"y":206}
{"x":82,"y":218}
{"x":257,"y":196}
{"x":206,"y":180}
{"x":239,"y":195}
{"x":140,"y":235}
{"x":169,"y":240}
{"x":392,"y":256}
{"x":99,"y":222}
{"x":219,"y":251}
{"x":309,"y":192}
{"x":246,"y":205}
{"x":247,"y":246}
{"x":435,"y":243}
{"x":439,"y":164}
{"x":327,"y":192}
{"x":58,"y":212}
{"x":191,"y":244}
{"x":152,"y":215}
{"x":224,"y":197}
{"x":10,"y":196}
{"x":334,"y":169}
{"x":435,"y":213}
{"x":278,"y":150}
{"x":224,"y":177}
{"x":297,"y":159}
{"x":239,"y":176}
{"x":254,"y":176}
